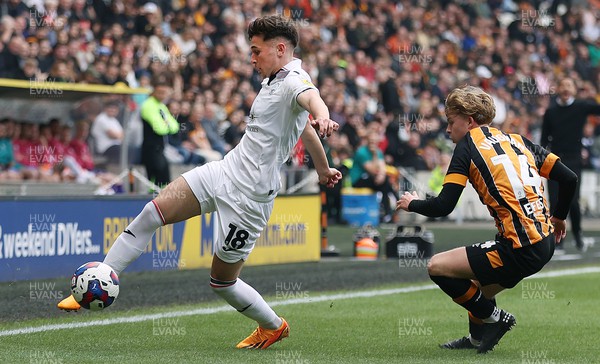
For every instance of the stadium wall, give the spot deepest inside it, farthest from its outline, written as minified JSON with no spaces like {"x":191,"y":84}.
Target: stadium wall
{"x":51,"y":237}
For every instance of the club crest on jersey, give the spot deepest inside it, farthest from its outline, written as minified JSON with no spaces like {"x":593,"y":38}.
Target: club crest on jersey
{"x":274,"y":88}
{"x":307,"y":82}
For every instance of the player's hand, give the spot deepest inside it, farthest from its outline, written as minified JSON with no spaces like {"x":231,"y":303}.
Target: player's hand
{"x":560,"y":228}
{"x":330,"y":177}
{"x":405,"y":200}
{"x":324,"y":126}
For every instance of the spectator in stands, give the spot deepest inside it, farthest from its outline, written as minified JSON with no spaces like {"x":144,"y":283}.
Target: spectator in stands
{"x":354,"y":130}
{"x":14,"y":8}
{"x":79,"y":146}
{"x":355,"y":54}
{"x":180,"y":140}
{"x":69,"y":168}
{"x":107,"y":133}
{"x":7,"y":160}
{"x":236,"y":129}
{"x":149,"y":19}
{"x":10,"y":57}
{"x":369,"y":170}
{"x":31,"y":71}
{"x":54,"y":148}
{"x":48,"y":154}
{"x":158,"y":123}
{"x":562,"y":132}
{"x":25,"y":150}
{"x":45,"y":56}
{"x":60,"y":72}
{"x":410,"y":154}
{"x":198,"y":136}
{"x":389,"y":93}
{"x":211,"y":127}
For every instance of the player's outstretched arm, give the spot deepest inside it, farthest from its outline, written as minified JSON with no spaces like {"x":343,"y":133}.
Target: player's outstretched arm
{"x":312,"y":102}
{"x":327,"y":176}
{"x":405,"y":200}
{"x":567,"y":186}
{"x":441,"y":205}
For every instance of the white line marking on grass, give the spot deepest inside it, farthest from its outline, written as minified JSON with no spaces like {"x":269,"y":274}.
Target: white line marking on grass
{"x":208,"y":311}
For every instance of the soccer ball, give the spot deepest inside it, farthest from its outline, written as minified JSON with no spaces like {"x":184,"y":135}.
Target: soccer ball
{"x":95,"y":286}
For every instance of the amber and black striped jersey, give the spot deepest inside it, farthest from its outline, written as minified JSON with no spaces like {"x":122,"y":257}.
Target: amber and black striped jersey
{"x":505,"y":171}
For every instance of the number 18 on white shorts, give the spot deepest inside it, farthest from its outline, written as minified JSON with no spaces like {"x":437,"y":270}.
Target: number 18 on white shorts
{"x":240,"y":220}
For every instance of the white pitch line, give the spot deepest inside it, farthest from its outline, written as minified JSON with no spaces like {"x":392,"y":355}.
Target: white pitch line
{"x":294,"y":301}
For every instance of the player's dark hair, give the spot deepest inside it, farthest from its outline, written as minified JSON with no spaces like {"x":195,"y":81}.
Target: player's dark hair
{"x":273,"y":26}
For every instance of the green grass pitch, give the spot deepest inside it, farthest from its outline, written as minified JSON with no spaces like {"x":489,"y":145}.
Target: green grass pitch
{"x":557,"y":322}
{"x":557,"y":318}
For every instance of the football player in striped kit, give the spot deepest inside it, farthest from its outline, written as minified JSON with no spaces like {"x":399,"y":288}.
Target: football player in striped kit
{"x":505,"y":170}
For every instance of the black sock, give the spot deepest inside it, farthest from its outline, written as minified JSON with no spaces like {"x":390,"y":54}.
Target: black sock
{"x":476,"y":325}
{"x":467,"y":294}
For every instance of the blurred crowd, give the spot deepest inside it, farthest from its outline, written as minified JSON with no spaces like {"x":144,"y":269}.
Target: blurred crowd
{"x":383,"y":67}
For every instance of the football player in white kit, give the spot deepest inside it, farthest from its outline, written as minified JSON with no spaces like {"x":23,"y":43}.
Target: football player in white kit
{"x":242,"y":187}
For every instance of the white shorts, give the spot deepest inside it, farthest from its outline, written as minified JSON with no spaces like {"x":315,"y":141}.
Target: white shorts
{"x":240,"y":220}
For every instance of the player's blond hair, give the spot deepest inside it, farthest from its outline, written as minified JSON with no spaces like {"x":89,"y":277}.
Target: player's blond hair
{"x":471,"y":101}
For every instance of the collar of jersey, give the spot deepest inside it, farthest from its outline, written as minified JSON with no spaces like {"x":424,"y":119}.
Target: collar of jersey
{"x":293,"y":64}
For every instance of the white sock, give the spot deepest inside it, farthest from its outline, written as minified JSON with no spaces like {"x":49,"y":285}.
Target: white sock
{"x":473,"y":341}
{"x":495,"y":317}
{"x":247,"y":301}
{"x":133,"y":241}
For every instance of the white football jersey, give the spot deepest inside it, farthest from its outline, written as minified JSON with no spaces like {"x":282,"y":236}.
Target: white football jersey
{"x":274,"y":126}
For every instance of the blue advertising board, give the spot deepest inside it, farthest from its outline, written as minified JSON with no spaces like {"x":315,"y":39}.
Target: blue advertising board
{"x":51,"y":238}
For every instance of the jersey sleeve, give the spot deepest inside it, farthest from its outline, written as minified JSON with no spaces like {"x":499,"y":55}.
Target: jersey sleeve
{"x":296,"y":83}
{"x":458,"y":170}
{"x":544,"y":160}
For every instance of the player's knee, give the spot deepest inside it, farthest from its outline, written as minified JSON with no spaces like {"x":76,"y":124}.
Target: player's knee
{"x":434,"y":266}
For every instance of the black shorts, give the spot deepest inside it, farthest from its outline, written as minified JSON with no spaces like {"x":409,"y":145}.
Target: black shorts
{"x":496,"y":261}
